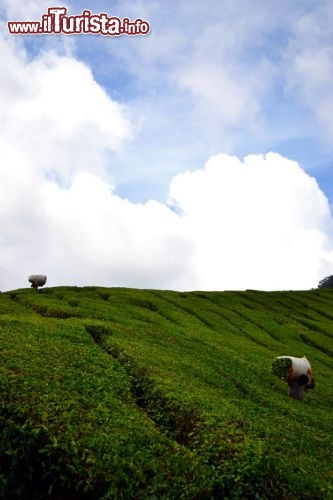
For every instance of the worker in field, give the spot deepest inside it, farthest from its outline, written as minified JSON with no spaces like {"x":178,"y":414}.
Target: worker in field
{"x":297,"y":372}
{"x":37,"y":280}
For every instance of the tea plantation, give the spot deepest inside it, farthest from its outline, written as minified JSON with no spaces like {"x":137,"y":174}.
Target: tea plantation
{"x":113,"y":393}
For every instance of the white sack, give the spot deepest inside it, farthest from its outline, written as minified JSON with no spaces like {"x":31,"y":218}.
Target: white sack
{"x":300,"y":366}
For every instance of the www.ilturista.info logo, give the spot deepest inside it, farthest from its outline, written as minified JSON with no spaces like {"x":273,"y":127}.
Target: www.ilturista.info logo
{"x":57,"y":22}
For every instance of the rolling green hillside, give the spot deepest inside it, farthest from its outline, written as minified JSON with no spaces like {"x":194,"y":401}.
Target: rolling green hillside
{"x":122,"y":393}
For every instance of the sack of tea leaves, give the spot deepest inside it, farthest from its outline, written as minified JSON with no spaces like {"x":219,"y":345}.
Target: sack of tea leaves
{"x":37,"y":280}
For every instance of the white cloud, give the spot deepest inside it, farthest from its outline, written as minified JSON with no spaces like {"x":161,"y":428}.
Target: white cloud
{"x":56,"y":114}
{"x":112,"y":241}
{"x":231,"y":97}
{"x":262,"y":223}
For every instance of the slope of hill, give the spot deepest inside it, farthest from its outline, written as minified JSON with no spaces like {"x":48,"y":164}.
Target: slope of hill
{"x":123,"y":393}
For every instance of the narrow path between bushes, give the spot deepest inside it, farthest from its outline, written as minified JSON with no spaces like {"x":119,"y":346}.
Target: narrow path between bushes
{"x":179,"y":421}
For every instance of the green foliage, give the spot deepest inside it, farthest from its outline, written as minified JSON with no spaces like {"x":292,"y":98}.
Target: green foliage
{"x":280,"y":367}
{"x":119,"y":393}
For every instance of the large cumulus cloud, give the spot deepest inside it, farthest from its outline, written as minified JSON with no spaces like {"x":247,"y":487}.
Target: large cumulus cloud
{"x":261,"y":223}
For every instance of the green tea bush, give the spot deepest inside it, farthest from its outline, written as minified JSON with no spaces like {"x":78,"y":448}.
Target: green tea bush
{"x":159,"y":394}
{"x":280,"y":367}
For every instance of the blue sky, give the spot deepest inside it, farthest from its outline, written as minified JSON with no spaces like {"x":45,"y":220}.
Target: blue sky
{"x":181,"y":123}
{"x":211,"y":82}
{"x":236,"y":44}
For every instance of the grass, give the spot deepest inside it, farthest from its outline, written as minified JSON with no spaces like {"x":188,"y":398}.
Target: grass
{"x":122,"y":393}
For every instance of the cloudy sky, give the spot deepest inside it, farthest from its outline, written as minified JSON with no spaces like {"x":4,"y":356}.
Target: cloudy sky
{"x":199,"y":156}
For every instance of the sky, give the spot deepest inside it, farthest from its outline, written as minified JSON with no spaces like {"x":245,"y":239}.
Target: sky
{"x":198,"y":156}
